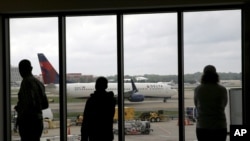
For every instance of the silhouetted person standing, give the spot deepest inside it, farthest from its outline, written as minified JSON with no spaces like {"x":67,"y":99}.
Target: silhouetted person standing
{"x":98,"y":114}
{"x":210,"y":99}
{"x":31,"y":97}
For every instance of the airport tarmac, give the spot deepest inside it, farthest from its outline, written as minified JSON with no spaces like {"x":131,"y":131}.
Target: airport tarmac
{"x":162,"y":131}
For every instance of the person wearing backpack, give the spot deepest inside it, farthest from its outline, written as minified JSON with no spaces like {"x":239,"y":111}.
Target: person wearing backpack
{"x":98,"y":114}
{"x":31,"y":101}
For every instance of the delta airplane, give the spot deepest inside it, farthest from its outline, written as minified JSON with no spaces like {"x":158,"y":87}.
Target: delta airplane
{"x":134,"y":92}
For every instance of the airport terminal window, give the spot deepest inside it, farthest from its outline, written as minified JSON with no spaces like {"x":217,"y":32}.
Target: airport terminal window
{"x":210,"y":37}
{"x":28,"y":38}
{"x":91,"y":52}
{"x":150,"y":56}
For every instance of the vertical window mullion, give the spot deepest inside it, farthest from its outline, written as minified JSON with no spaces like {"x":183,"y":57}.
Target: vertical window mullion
{"x":6,"y":75}
{"x":120,"y":82}
{"x":62,"y":78}
{"x":180,"y":76}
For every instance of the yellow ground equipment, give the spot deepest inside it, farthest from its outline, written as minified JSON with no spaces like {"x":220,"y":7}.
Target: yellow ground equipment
{"x":79,"y":119}
{"x":129,"y":113}
{"x":152,"y":116}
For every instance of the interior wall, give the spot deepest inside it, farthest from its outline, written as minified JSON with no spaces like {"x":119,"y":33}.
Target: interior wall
{"x":28,"y":6}
{"x":246,"y":61}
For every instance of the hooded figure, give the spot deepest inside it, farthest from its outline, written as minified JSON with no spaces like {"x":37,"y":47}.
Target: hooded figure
{"x":98,"y":114}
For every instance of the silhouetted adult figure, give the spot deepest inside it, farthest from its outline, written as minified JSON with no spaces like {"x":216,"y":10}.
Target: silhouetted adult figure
{"x":98,"y":114}
{"x":29,"y":105}
{"x":210,"y":99}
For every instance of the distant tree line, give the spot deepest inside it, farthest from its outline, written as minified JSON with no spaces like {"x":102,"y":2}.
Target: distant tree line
{"x":188,"y":78}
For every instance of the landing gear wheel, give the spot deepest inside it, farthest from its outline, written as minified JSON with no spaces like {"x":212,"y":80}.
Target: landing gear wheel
{"x":152,"y":120}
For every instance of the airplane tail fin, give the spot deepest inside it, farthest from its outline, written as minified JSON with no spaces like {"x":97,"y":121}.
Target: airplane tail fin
{"x":49,"y":74}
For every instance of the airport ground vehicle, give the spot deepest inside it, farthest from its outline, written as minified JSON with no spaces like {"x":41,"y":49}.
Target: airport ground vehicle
{"x":191,"y":113}
{"x":152,"y":116}
{"x":135,"y":127}
{"x":79,"y":119}
{"x":129,"y":113}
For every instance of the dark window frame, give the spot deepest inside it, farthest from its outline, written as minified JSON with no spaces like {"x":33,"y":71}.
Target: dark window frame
{"x":120,"y":64}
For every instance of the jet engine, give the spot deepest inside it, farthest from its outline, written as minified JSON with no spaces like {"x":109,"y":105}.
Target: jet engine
{"x":136,"y":98}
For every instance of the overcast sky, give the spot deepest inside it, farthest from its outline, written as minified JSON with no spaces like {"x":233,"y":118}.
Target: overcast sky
{"x":150,"y":42}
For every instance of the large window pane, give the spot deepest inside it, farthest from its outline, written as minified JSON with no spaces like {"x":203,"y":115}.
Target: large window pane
{"x":91,"y":52}
{"x":213,"y":38}
{"x":150,"y":59}
{"x":28,"y":37}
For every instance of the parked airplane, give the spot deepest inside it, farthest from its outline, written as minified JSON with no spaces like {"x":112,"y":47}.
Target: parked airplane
{"x":134,"y":92}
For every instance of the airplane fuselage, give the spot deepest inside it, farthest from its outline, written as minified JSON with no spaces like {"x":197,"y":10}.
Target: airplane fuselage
{"x":134,"y":92}
{"x":83,"y":90}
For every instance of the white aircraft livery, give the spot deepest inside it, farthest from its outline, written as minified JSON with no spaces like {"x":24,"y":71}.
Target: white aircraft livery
{"x":134,"y":92}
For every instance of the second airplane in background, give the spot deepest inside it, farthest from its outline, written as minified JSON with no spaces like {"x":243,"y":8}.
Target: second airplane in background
{"x":134,"y":92}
